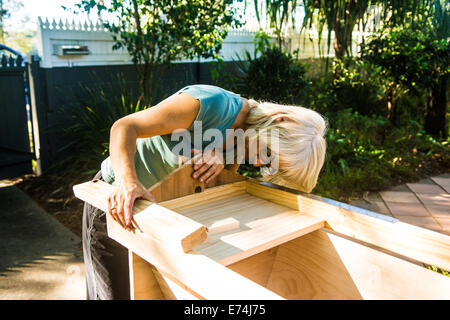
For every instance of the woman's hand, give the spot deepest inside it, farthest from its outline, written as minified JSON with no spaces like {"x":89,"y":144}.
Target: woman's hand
{"x":121,"y":200}
{"x":207,"y":165}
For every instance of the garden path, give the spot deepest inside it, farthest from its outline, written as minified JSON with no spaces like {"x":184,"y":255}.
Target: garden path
{"x":424,"y":204}
{"x":40,"y":259}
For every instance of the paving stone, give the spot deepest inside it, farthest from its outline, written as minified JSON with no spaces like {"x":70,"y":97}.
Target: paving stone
{"x":407,"y":209}
{"x":425,"y":188}
{"x":443,"y":182}
{"x":442,"y":199}
{"x":399,"y":196}
{"x":438,"y":211}
{"x":381,"y":208}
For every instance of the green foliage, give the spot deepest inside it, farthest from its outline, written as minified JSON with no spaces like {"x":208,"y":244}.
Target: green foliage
{"x":438,"y":270}
{"x":86,"y":123}
{"x":277,"y":14}
{"x":159,"y":32}
{"x":274,"y":76}
{"x":358,"y":85}
{"x":413,"y":61}
{"x":407,"y":57}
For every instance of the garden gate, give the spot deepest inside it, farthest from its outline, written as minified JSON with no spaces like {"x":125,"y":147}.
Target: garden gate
{"x":16,"y":141}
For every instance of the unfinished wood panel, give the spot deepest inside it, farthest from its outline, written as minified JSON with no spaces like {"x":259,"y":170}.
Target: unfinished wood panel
{"x":206,"y":196}
{"x":143,"y":283}
{"x":416,"y":243}
{"x":267,"y":234}
{"x":223,"y":225}
{"x":257,"y":267}
{"x":151,"y":218}
{"x":321,"y":265}
{"x":262,"y":225}
{"x":180,"y":183}
{"x":194,"y":272}
{"x":171,"y":290}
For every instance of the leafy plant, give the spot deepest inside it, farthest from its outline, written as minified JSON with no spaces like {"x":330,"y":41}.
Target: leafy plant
{"x":156,"y":33}
{"x":274,"y":76}
{"x":86,"y":123}
{"x":358,"y":85}
{"x":412,"y":60}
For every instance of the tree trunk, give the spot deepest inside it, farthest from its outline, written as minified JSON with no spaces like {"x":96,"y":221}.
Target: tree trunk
{"x":338,"y":45}
{"x":435,"y":119}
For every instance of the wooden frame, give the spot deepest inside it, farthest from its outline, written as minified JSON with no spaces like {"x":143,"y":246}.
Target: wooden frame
{"x":276,"y":244}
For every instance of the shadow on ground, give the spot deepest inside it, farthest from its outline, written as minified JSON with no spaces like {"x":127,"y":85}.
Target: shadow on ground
{"x":39,"y":257}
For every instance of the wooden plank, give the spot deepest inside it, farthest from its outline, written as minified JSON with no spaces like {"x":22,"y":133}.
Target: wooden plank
{"x":262,"y":235}
{"x":180,"y":183}
{"x":171,"y":290}
{"x":162,"y":223}
{"x":322,"y":265}
{"x":258,"y":267}
{"x":143,"y":284}
{"x":223,"y":225}
{"x":263,"y":224}
{"x":420,"y":244}
{"x":206,"y":196}
{"x":194,"y":272}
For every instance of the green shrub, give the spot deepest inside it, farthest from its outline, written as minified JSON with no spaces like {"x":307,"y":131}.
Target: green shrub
{"x":358,"y":86}
{"x":274,"y":76}
{"x":87,"y":121}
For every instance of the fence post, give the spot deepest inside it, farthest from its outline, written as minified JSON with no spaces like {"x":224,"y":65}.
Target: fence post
{"x":39,"y":116}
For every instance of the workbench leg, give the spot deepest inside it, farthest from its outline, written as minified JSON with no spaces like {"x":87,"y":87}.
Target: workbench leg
{"x":143,"y":283}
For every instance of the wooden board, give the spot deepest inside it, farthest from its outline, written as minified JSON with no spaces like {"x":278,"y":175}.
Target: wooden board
{"x":180,"y":183}
{"x":164,"y":224}
{"x":193,"y":272}
{"x":321,"y":265}
{"x":279,"y":245}
{"x":262,"y":224}
{"x":143,"y":283}
{"x":415,"y":243}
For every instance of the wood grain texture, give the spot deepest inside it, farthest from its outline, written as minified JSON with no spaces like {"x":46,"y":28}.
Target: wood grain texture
{"x":143,"y":284}
{"x":223,"y":225}
{"x":180,"y":183}
{"x":258,"y":267}
{"x":262,"y":225}
{"x":321,"y":265}
{"x":164,"y":224}
{"x":193,"y":272}
{"x":416,"y":243}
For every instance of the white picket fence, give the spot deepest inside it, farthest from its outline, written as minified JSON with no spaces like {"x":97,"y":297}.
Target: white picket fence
{"x":52,"y":34}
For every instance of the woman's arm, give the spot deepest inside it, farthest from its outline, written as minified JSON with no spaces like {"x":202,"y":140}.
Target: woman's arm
{"x":176,"y":112}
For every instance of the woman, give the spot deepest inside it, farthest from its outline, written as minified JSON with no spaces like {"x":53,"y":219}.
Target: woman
{"x":141,"y":154}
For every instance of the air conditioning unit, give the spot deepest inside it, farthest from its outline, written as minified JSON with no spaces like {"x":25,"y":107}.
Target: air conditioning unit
{"x":70,"y":50}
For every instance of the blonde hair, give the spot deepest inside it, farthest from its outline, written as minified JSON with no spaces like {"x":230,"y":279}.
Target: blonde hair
{"x":301,"y":146}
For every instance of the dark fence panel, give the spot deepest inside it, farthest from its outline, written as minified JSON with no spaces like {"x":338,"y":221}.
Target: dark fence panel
{"x":59,"y":87}
{"x":15,"y":148}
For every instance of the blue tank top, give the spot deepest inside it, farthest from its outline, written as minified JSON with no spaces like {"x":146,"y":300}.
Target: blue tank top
{"x":154,"y":158}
